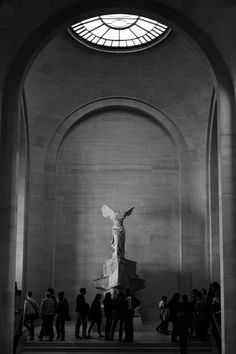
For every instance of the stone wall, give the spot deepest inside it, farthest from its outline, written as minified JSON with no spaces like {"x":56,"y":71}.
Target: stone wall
{"x":122,"y":159}
{"x":172,"y":78}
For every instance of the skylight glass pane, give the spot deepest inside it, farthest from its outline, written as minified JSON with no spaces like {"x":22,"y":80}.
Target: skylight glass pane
{"x":142,"y":40}
{"x":100,"y":31}
{"x":95,"y":39}
{"x":108,"y":43}
{"x":91,"y":25}
{"x":123,"y":44}
{"x":112,"y":34}
{"x":157,"y":30}
{"x":136,"y":42}
{"x":81,"y":30}
{"x":126,"y":34}
{"x":101,"y":41}
{"x":91,"y":38}
{"x":147,"y":38}
{"x":87,"y":35}
{"x":138,"y":31}
{"x":130,"y":43}
{"x":146,"y":25}
{"x":78,"y":26}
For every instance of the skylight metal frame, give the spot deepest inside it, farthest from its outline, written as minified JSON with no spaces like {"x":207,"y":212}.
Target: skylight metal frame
{"x":119,"y":32}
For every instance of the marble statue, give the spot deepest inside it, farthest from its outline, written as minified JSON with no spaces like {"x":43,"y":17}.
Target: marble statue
{"x":118,"y":230}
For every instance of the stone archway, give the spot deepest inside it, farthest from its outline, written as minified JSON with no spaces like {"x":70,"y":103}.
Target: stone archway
{"x":183,"y":269}
{"x":10,"y":133}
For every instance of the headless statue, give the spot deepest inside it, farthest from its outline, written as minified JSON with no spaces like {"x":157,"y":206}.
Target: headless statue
{"x":118,"y":230}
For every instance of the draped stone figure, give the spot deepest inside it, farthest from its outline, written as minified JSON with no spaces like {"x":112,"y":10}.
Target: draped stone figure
{"x":118,"y":230}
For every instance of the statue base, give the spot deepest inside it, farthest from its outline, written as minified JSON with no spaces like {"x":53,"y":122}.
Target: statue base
{"x":119,"y":273}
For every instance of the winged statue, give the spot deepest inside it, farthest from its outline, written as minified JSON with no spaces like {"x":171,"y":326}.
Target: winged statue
{"x":118,"y":230}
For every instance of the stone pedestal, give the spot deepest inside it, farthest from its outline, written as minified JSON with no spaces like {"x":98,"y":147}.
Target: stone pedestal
{"x":118,"y":274}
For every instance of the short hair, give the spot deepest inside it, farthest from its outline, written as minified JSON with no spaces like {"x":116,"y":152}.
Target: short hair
{"x":51,"y":291}
{"x":82,"y":290}
{"x":29,"y":293}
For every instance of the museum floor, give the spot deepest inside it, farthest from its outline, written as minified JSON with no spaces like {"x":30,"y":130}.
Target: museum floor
{"x":146,"y":340}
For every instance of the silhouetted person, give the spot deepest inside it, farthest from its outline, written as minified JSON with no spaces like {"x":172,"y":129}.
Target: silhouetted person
{"x":30,"y":313}
{"x":47,"y":311}
{"x":192,"y":301}
{"x":131,"y":303}
{"x":201,"y":314}
{"x":51,"y":292}
{"x":82,"y":314}
{"x":186,"y":306}
{"x":174,"y":308}
{"x":163,"y":307}
{"x":62,"y":310}
{"x":107,"y":302}
{"x":118,"y":314}
{"x":216,"y":306}
{"x":96,"y":315}
{"x":182,"y":326}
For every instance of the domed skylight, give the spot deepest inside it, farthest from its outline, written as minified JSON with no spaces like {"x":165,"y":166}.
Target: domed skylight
{"x":119,"y":32}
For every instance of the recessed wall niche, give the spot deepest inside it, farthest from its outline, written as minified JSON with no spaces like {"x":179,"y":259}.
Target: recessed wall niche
{"x":120,"y":158}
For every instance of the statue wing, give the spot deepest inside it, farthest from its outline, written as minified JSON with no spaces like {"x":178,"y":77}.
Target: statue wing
{"x":107,"y":212}
{"x":128,"y":212}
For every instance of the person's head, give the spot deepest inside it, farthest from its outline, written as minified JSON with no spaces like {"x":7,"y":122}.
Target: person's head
{"x":61,"y":295}
{"x":98,"y":297}
{"x":176,"y":297}
{"x":199,"y":295}
{"x":29,"y":294}
{"x":51,"y":291}
{"x":82,"y":291}
{"x":195,"y":292}
{"x":164,"y":298}
{"x":203,"y":291}
{"x":108,"y":296}
{"x":184,"y":298}
{"x":48,"y":295}
{"x":120,"y":294}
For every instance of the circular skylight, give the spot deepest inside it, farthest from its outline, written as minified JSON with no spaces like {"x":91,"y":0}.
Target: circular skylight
{"x":119,"y":32}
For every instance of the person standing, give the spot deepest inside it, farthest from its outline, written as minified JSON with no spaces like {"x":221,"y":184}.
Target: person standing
{"x":30,"y":313}
{"x":131,"y":303}
{"x":107,"y":302}
{"x":164,"y":315}
{"x":96,"y":315}
{"x":201,"y":314}
{"x":182,"y":327}
{"x":82,"y":313}
{"x":174,"y":308}
{"x":62,"y":311}
{"x":47,"y":311}
{"x":118,"y":309}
